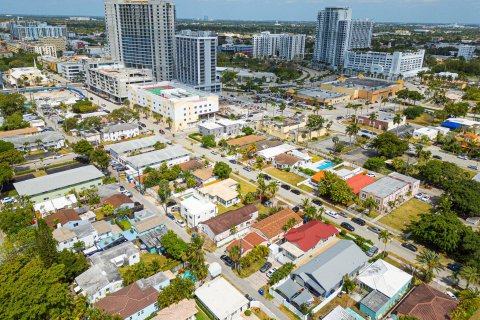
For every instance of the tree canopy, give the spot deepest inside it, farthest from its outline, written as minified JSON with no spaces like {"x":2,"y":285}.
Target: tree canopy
{"x":389,"y":145}
{"x":222,"y":170}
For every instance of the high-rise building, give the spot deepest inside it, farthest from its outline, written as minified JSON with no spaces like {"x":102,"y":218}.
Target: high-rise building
{"x":197,"y":59}
{"x":466,"y":51}
{"x":34,"y":30}
{"x":337,"y":33}
{"x":284,"y":46}
{"x":141,"y":34}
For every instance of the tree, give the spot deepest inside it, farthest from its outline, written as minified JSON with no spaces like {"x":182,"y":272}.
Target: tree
{"x":464,"y":194}
{"x":389,"y":145}
{"x":164,"y":193}
{"x":470,"y":274}
{"x":397,"y":120}
{"x":159,"y":145}
{"x":335,"y":188}
{"x":235,"y":253}
{"x":169,"y":122}
{"x":372,"y":117}
{"x":46,"y":245}
{"x":248,"y":131}
{"x":174,"y":246}
{"x":385,"y":236}
{"x":348,"y":284}
{"x":14,"y":121}
{"x":13,"y":220}
{"x":74,"y":263}
{"x":6,"y":174}
{"x":222,"y":170}
{"x":123,"y":114}
{"x":70,"y":124}
{"x":399,"y":164}
{"x":178,"y":290}
{"x":289,"y":224}
{"x":100,"y":158}
{"x":281,"y":273}
{"x":84,"y":106}
{"x":352,"y":130}
{"x":311,"y":213}
{"x":370,"y":204}
{"x":83,"y":147}
{"x":315,"y":123}
{"x":91,"y":196}
{"x":375,"y":164}
{"x":208,"y":141}
{"x":6,"y":146}
{"x":413,"y":112}
{"x":430,"y":262}
{"x":12,"y":157}
{"x":196,"y":258}
{"x":107,"y":210}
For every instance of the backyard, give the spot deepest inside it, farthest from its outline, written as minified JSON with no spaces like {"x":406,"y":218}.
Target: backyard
{"x":344,"y":301}
{"x":288,"y":177}
{"x":401,"y":217}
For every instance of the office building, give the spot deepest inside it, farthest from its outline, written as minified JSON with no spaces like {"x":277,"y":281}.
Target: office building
{"x":181,"y":105}
{"x":197,"y":59}
{"x":399,"y":63}
{"x":283,"y":46}
{"x":113,"y":81}
{"x":466,"y":51}
{"x":337,"y":33}
{"x":141,"y":34}
{"x":34,"y":30}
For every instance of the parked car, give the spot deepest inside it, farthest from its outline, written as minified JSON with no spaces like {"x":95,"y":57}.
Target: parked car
{"x":343,"y":214}
{"x":8,"y":200}
{"x":437,"y":157}
{"x":295,"y":191}
{"x":463,"y":157}
{"x":451,"y":295}
{"x":271,"y":271}
{"x":171,"y":216}
{"x":248,"y":297}
{"x":268,"y":203}
{"x":331,"y":214}
{"x":58,"y":156}
{"x":248,"y":169}
{"x":138,"y":206}
{"x":295,"y":209}
{"x":286,"y":187}
{"x":372,"y":251}
{"x":455,"y":267}
{"x":181,"y":223}
{"x":472,"y":167}
{"x":265,"y":267}
{"x":227,"y":260}
{"x":161,"y":131}
{"x":419,"y":196}
{"x":409,"y":246}
{"x":347,"y":226}
{"x":371,"y":175}
{"x":359,"y":221}
{"x":425,"y":198}
{"x":317,"y":202}
{"x":374,"y":229}
{"x":127,"y":193}
{"x":232,"y":161}
{"x":214,"y":152}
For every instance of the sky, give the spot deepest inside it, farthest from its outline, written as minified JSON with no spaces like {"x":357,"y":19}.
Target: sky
{"x":426,"y":11}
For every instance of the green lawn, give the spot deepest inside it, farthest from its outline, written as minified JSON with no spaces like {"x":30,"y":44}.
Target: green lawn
{"x":245,"y":272}
{"x":401,"y":217}
{"x":245,"y":187}
{"x":288,"y":177}
{"x":201,"y":316}
{"x":315,"y":158}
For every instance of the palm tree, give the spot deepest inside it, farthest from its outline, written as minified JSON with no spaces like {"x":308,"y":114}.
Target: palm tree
{"x":235,"y":254}
{"x":384,"y":101}
{"x":372,"y":117}
{"x":385,"y":237}
{"x":470,"y":274}
{"x":397,"y":120}
{"x":430,"y":262}
{"x":169,"y":122}
{"x":233,"y":230}
{"x":262,"y":187}
{"x":272,"y":189}
{"x":305,"y":202}
{"x":370,"y":204}
{"x":352,"y":130}
{"x":289,"y":224}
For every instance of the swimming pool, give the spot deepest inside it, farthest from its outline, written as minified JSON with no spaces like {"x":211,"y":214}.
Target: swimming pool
{"x":325,"y":165}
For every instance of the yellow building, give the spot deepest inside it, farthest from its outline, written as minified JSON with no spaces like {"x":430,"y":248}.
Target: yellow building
{"x":289,"y":129}
{"x":59,"y":43}
{"x":318,"y":96}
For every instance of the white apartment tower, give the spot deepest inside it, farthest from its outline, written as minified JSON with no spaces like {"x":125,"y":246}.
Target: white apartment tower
{"x":197,"y":59}
{"x":141,"y":34}
{"x":466,"y":51}
{"x":337,"y":33}
{"x":284,"y":46}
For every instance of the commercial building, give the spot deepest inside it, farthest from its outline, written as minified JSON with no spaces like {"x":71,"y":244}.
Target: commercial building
{"x":58,"y":184}
{"x":33,"y":30}
{"x":223,"y":192}
{"x":119,"y":131}
{"x":237,"y":48}
{"x":222,"y":127}
{"x":197,"y":59}
{"x":467,"y":52}
{"x":24,"y":77}
{"x":284,"y":46}
{"x":243,"y":75}
{"x":171,"y":155}
{"x":337,"y":33}
{"x":58,"y":42}
{"x":122,"y":149}
{"x":222,"y":299}
{"x":112,"y":82}
{"x":383,"y":120}
{"x":318,"y":96}
{"x":141,"y":34}
{"x":429,"y":132}
{"x":41,"y":141}
{"x":403,"y":64}
{"x":183,"y":105}
{"x":372,"y":90}
{"x":196,"y":209}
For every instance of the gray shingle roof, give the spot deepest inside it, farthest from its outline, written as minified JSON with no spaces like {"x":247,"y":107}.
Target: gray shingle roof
{"x":384,"y":187}
{"x":375,"y":300}
{"x":155,"y":157}
{"x":45,"y":137}
{"x":57,"y":180}
{"x":402,"y":177}
{"x":289,"y":288}
{"x":119,"y":127}
{"x":327,"y":269}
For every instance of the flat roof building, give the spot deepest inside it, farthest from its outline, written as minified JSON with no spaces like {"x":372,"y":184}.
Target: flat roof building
{"x":171,"y":155}
{"x":319,"y":96}
{"x":43,"y":140}
{"x":138,"y":145}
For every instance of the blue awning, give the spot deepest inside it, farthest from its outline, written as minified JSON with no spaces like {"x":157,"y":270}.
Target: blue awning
{"x":451,"y":125}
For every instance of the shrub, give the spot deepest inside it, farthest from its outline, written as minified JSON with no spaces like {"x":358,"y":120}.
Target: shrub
{"x":248,"y":313}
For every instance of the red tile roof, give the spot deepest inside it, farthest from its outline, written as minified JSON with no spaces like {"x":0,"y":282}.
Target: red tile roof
{"x":272,"y":226}
{"x":317,"y":177}
{"x":62,"y":217}
{"x":358,"y":182}
{"x":128,"y":301}
{"x":251,"y":240}
{"x":310,"y":234}
{"x":231,"y":219}
{"x":117,"y":200}
{"x":427,"y":303}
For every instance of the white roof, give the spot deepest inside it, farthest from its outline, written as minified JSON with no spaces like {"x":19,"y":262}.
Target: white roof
{"x":477,"y":177}
{"x":221,"y":298}
{"x":339,"y":314}
{"x":384,"y":277}
{"x":275,"y":151}
{"x":66,"y":201}
{"x":197,"y":204}
{"x":44,"y":207}
{"x":210,"y":125}
{"x":215,"y":269}
{"x":300,"y":155}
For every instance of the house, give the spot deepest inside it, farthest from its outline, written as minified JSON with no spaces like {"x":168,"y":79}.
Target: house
{"x":230,"y":225}
{"x":73,"y":232}
{"x":63,"y":202}
{"x":23,"y":132}
{"x":184,"y":310}
{"x":430,"y":133}
{"x":196,"y":209}
{"x":222,"y":127}
{"x":383,"y":120}
{"x":390,"y":191}
{"x":286,"y":161}
{"x":272,"y":227}
{"x":223,"y":192}
{"x":191,"y":165}
{"x":245,"y":141}
{"x":385,"y":284}
{"x":102,"y":277}
{"x":152,"y":239}
{"x":248,"y":242}
{"x":118,"y":201}
{"x":426,"y":303}
{"x":339,"y":313}
{"x":58,"y":184}
{"x":358,"y":182}
{"x":306,"y":238}
{"x":302,"y":155}
{"x":323,"y":275}
{"x":222,"y":299}
{"x":119,"y":131}
{"x":270,"y":153}
{"x":105,"y":230}
{"x":65,"y":238}
{"x":137,"y":301}
{"x":144,"y":226}
{"x":40,"y":141}
{"x":204,"y":175}
{"x":61,"y":217}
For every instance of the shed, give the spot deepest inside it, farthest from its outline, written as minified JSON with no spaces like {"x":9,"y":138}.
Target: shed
{"x":214,"y":269}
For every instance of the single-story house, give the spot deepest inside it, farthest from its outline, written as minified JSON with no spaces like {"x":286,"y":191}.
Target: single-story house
{"x":306,"y":238}
{"x":270,"y":153}
{"x":204,"y":175}
{"x":248,"y":242}
{"x":61,"y":217}
{"x":118,"y":201}
{"x":184,"y":310}
{"x":73,"y":232}
{"x":271,"y":228}
{"x":41,"y":141}
{"x":105,"y":229}
{"x":191,"y":165}
{"x":286,"y":161}
{"x":426,"y":303}
{"x":223,"y":192}
{"x":152,"y":240}
{"x":222,"y":299}
{"x":230,"y":225}
{"x":386,"y":285}
{"x":358,"y":182}
{"x":144,"y":226}
{"x":340,"y":313}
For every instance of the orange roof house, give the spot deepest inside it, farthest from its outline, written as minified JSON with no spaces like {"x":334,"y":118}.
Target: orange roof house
{"x":356,"y":183}
{"x":317,"y":177}
{"x":248,"y":242}
{"x":272,"y":226}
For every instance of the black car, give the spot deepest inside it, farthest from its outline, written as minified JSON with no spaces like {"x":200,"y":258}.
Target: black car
{"x":359,"y":221}
{"x":286,"y":187}
{"x":343,"y":214}
{"x":454,"y":267}
{"x":295,"y":209}
{"x":317,"y":202}
{"x":295,"y":191}
{"x":409,"y":246}
{"x":265,"y":267}
{"x":365,"y":136}
{"x":267,"y":177}
{"x":374,"y":229}
{"x":171,"y":204}
{"x":137,"y":206}
{"x":232,"y":161}
{"x":437,"y":157}
{"x":228,"y":261}
{"x":347,"y":226}
{"x":141,"y":124}
{"x":248,"y":297}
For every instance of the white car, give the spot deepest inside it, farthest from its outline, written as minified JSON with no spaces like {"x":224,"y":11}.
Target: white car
{"x":419,"y":196}
{"x":451,"y":295}
{"x":270,"y":272}
{"x":181,"y":223}
{"x":127,"y":193}
{"x":331,"y":214}
{"x":58,"y":156}
{"x":425,"y":198}
{"x":371,"y":175}
{"x":7,"y":200}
